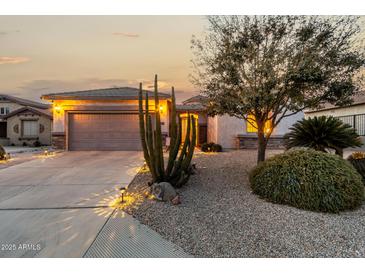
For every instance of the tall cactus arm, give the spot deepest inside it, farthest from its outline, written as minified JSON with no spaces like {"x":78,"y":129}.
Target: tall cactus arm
{"x":158,"y":135}
{"x":178,"y":163}
{"x":150,"y":142}
{"x":160,"y":175}
{"x":174,"y":142}
{"x":186,"y":142}
{"x":142,"y":129}
{"x":173,"y":115}
{"x":176,"y":148}
{"x":186,"y":162}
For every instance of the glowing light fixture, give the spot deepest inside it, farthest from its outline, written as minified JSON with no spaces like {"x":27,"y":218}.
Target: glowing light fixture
{"x":161,"y":108}
{"x":57,"y":108}
{"x":122,"y":191}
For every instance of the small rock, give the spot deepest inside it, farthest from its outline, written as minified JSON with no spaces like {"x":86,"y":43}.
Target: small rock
{"x":176,"y":200}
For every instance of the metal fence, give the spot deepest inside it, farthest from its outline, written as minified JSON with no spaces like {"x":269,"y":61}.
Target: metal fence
{"x":356,"y":121}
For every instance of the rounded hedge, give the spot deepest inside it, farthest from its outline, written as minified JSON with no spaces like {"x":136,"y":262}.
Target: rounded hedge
{"x":310,"y":180}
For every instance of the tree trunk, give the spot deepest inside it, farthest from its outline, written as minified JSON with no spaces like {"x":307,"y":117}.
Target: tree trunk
{"x":261,"y":143}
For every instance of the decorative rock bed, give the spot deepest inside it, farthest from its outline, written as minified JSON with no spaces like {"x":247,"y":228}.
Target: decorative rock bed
{"x":220,"y":217}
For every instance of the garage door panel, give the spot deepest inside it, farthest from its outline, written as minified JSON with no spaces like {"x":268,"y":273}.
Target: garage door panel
{"x":102,"y":131}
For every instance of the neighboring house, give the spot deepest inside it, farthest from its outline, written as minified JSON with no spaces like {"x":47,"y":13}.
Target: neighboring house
{"x":232,"y":132}
{"x":102,"y":119}
{"x":24,"y":122}
{"x":354,"y":114}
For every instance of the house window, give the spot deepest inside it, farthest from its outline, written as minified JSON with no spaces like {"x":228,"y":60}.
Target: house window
{"x":30,"y":128}
{"x":252,"y":126}
{"x":4,"y":110}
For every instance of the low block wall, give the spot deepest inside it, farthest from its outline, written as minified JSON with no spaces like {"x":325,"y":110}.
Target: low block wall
{"x":4,"y":141}
{"x":250,"y":141}
{"x":58,"y":140}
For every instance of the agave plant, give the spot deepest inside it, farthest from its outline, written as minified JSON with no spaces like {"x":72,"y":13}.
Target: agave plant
{"x":322,"y":133}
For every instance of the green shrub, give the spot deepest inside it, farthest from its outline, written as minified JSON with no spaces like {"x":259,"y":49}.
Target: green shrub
{"x":37,"y":144}
{"x":308,"y":179}
{"x":357,"y":159}
{"x":211,"y":147}
{"x":2,"y":153}
{"x":216,"y":148}
{"x":322,"y":133}
{"x":206,"y":147}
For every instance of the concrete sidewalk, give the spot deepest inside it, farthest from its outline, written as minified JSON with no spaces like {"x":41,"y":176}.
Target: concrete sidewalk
{"x":125,"y":237}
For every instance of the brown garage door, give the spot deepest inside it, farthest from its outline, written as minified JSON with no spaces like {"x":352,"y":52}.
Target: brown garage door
{"x":103,"y":131}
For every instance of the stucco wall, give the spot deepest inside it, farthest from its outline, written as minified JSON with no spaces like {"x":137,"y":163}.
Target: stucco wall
{"x":351,"y":110}
{"x":212,"y":129}
{"x":59,"y":118}
{"x":284,"y":125}
{"x":44,"y":137}
{"x":224,"y":129}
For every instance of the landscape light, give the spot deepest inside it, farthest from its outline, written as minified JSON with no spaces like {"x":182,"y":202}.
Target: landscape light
{"x":122,"y":190}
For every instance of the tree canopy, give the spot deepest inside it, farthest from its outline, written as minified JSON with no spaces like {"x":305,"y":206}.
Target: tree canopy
{"x":271,"y":67}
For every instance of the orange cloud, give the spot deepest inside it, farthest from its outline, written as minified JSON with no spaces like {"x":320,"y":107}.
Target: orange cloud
{"x":13,"y":60}
{"x":126,"y":34}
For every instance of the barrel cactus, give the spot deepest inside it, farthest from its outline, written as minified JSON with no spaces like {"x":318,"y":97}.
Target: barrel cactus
{"x":178,"y":169}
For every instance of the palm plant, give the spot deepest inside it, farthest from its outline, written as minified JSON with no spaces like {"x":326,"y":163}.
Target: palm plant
{"x":322,"y":133}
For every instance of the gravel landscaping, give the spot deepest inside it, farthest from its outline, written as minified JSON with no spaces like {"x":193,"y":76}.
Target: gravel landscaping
{"x":220,"y":216}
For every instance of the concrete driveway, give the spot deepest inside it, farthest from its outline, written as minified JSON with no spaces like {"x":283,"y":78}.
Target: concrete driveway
{"x":56,"y":206}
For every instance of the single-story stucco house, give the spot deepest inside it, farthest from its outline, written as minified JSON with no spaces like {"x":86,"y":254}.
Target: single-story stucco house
{"x":107,"y":119}
{"x":101,"y":119}
{"x":24,"y":122}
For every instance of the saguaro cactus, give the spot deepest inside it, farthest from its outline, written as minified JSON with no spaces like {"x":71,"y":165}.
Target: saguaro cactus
{"x":178,"y":169}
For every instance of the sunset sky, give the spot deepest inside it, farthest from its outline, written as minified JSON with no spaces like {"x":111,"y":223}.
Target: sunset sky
{"x":44,"y":54}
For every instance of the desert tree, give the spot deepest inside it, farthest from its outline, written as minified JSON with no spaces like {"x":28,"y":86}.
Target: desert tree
{"x":267,"y":68}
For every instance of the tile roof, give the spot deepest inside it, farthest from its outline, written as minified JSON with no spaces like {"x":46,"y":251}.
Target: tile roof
{"x":195,"y":99}
{"x":358,"y":99}
{"x":24,"y":102}
{"x":121,"y":93}
{"x":190,"y":107}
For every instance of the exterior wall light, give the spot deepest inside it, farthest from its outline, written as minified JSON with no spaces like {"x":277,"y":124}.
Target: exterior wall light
{"x":57,"y":108}
{"x":161,"y":108}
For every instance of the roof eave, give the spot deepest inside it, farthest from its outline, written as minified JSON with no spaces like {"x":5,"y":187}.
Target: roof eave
{"x":91,"y":98}
{"x":20,"y":110}
{"x":334,"y":107}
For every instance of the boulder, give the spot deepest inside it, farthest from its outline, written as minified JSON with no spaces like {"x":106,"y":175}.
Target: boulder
{"x":164,"y":191}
